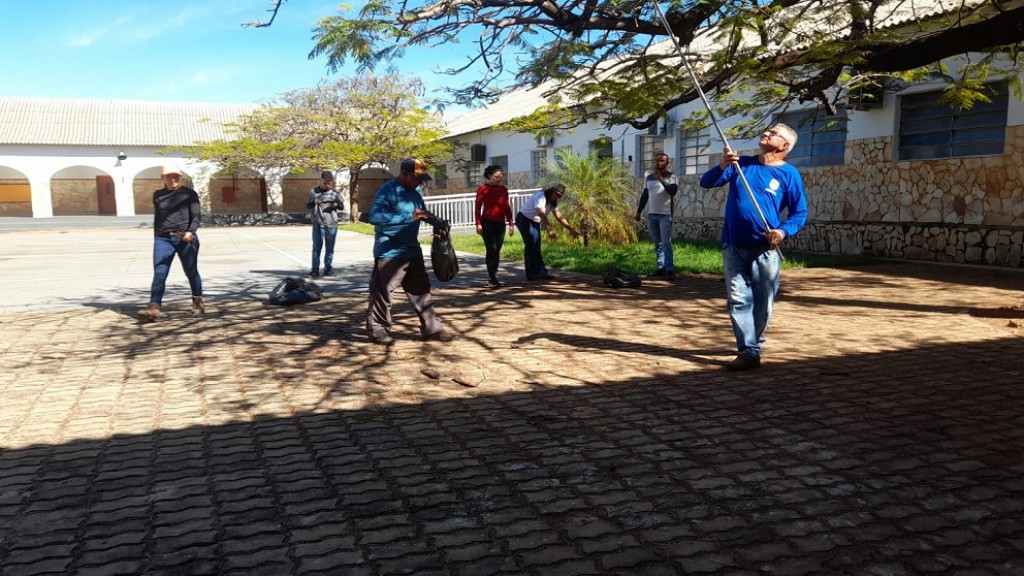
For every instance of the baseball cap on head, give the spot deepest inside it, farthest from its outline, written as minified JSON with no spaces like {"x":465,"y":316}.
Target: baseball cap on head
{"x":169,"y":169}
{"x":417,"y":167}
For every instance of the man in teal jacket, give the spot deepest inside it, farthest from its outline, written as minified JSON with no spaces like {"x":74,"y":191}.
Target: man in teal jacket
{"x":398,"y":208}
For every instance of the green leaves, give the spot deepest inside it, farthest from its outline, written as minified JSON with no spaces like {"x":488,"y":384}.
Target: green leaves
{"x":352,"y":122}
{"x":598,"y":196}
{"x":611,"y":57}
{"x":341,"y":39}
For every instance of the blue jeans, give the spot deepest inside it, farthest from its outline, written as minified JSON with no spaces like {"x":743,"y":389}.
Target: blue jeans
{"x":751,"y":282}
{"x":534,"y":261}
{"x":164,"y":250}
{"x":322,"y":235}
{"x":660,"y":228}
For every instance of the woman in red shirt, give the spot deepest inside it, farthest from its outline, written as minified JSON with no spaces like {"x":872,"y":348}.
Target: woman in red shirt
{"x":492,"y":211}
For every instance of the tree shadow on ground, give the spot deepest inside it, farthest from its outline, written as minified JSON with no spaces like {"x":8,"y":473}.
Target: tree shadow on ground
{"x":909,"y":463}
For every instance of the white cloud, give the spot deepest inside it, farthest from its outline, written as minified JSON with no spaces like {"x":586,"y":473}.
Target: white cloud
{"x":144,"y":22}
{"x":94,"y":34}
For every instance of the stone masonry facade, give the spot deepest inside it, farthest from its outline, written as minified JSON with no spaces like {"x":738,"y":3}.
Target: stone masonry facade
{"x":964,"y":210}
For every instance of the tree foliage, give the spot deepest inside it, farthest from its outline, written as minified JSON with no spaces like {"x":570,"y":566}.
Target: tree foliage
{"x":349,"y":123}
{"x":598,"y":196}
{"x":611,"y":56}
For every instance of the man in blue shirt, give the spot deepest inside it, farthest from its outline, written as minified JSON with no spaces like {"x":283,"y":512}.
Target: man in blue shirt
{"x":751,"y":263}
{"x":398,"y":208}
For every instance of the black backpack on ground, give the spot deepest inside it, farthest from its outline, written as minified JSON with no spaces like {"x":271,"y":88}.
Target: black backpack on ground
{"x":295,"y":291}
{"x":616,"y":278}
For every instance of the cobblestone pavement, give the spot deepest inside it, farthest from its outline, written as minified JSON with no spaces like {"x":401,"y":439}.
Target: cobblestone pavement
{"x":884,"y":434}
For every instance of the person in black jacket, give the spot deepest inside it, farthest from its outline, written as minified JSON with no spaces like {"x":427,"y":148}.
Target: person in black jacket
{"x":325,"y":206}
{"x":175,"y":221}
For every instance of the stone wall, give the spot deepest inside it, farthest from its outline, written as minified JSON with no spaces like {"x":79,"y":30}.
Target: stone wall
{"x":937,"y":243}
{"x":272,"y":219}
{"x":968,"y":210}
{"x":294,"y":192}
{"x":15,"y":208}
{"x":142,"y":193}
{"x":247,"y":196}
{"x":74,"y":197}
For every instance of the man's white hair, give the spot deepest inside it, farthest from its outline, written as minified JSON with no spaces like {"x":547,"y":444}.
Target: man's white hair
{"x":790,"y":134}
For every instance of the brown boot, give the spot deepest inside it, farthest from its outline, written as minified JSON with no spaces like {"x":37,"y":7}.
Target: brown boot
{"x":198,"y":307}
{"x":151,"y":312}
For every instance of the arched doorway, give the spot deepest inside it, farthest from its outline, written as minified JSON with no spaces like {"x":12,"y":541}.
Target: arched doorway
{"x":146,"y":183}
{"x":15,"y":193}
{"x":242,"y":193}
{"x":295,"y":191}
{"x":82,"y":190}
{"x":366,"y":188}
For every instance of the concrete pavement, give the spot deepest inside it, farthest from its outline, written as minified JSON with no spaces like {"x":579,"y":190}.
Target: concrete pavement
{"x":78,"y":264}
{"x":883,"y":435}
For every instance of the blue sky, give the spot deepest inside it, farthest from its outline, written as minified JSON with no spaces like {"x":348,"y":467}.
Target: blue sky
{"x":187,"y":50}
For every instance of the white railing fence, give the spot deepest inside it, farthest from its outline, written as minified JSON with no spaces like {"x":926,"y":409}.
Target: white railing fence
{"x":458,"y":208}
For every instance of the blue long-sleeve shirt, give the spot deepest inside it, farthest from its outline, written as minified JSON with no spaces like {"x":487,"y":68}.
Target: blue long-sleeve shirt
{"x":775,"y":187}
{"x":396,"y":234}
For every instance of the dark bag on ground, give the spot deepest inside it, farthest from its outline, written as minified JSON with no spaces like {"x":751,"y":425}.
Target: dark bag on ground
{"x":295,"y":291}
{"x":616,"y":278}
{"x":442,"y":254}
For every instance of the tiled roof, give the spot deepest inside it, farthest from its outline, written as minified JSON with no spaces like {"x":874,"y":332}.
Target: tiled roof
{"x":52,"y":121}
{"x":508,"y":107}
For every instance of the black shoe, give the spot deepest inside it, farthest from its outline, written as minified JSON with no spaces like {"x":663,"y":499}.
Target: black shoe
{"x":658,"y":273}
{"x":314,"y":274}
{"x":670,"y":275}
{"x":494,"y":283}
{"x":329,"y":272}
{"x":743,"y":362}
{"x":385,"y":340}
{"x":441,"y":336}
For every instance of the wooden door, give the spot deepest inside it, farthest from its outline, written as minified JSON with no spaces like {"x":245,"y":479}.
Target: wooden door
{"x":105,"y":199}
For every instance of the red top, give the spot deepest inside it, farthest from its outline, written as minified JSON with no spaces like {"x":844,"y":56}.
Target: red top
{"x":492,"y":204}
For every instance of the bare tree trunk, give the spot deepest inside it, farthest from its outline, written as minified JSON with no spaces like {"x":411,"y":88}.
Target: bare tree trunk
{"x":353,"y":195}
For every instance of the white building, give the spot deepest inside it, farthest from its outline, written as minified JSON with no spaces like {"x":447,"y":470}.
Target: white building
{"x":904,"y":176}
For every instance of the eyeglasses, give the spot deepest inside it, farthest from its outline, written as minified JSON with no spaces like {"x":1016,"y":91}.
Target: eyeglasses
{"x":776,"y":133}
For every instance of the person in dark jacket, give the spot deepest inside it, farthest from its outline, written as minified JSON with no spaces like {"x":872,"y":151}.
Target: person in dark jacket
{"x":175,"y":221}
{"x":325,"y":207}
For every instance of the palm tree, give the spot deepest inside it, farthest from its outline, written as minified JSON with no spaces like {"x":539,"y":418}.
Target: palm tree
{"x":599,"y":196}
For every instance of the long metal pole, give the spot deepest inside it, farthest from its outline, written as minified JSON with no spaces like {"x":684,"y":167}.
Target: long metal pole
{"x":711,"y":114}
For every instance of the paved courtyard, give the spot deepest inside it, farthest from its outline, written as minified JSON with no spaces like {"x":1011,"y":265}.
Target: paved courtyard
{"x":594,"y":431}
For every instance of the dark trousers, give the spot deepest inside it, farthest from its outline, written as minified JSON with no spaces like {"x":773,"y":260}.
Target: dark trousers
{"x":494,"y":238}
{"x":411,"y":275}
{"x":164,"y":250}
{"x":531,"y":233}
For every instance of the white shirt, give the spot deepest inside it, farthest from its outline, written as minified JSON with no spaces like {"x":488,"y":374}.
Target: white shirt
{"x":529,"y":209}
{"x":659,"y":201}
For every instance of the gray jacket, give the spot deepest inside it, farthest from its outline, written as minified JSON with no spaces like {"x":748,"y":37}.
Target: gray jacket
{"x":330,"y":208}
